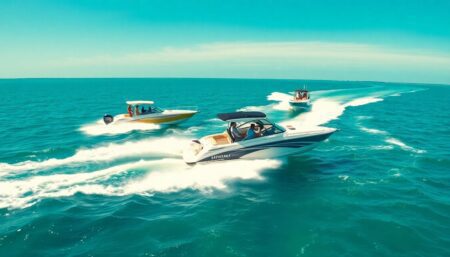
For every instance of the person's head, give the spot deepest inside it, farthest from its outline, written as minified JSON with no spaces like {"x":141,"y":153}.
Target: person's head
{"x":252,"y":126}
{"x":233,"y":124}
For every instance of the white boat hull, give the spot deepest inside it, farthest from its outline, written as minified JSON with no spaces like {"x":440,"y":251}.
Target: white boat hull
{"x":299,"y":104}
{"x":290,"y":142}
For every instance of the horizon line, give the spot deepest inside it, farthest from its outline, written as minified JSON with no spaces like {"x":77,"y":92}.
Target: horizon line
{"x":228,"y":78}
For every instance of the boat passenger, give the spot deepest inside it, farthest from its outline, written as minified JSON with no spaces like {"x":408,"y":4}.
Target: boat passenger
{"x":235,"y":133}
{"x":136,"y":110}
{"x":143,"y":111}
{"x":130,"y":111}
{"x":251,"y":133}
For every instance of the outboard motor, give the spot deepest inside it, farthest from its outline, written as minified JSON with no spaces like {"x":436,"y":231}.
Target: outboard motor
{"x":108,"y":118}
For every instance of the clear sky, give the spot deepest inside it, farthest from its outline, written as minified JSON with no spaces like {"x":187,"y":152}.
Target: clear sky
{"x":384,"y":40}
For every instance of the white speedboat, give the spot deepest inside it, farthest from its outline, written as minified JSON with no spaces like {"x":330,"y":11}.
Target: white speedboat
{"x":272,"y":140}
{"x":147,"y":112}
{"x":300,"y":100}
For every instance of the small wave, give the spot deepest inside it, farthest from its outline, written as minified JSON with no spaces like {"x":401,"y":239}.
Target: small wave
{"x":373,"y":131}
{"x":382,"y":147}
{"x":361,"y":117}
{"x":166,"y":146}
{"x":343,"y":177}
{"x":99,"y":128}
{"x":404,"y":146}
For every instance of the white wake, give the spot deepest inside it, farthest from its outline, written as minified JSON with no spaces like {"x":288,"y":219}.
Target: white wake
{"x":169,"y":146}
{"x":100,"y":128}
{"x":157,"y":176}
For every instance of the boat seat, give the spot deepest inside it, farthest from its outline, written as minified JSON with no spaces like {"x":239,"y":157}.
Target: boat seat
{"x":221,"y":139}
{"x":232,"y":139}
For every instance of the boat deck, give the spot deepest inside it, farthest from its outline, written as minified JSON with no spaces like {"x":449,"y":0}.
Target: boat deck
{"x":220,"y":139}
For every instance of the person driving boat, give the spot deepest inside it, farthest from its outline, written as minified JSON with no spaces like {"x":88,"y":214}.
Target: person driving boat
{"x":251,"y":132}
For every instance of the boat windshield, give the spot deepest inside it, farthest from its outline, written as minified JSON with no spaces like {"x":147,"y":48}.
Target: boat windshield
{"x":156,"y":109}
{"x":263,"y":127}
{"x":143,"y":109}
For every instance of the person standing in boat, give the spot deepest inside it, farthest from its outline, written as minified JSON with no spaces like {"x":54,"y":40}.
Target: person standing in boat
{"x":130,"y":110}
{"x":136,"y":110}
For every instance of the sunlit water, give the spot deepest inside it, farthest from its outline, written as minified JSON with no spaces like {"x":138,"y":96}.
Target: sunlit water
{"x":71,"y":186}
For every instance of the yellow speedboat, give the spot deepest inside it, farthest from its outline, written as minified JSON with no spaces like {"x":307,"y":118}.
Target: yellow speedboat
{"x":147,"y":112}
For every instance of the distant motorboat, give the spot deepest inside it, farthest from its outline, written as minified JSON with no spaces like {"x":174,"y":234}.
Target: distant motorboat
{"x":300,"y":100}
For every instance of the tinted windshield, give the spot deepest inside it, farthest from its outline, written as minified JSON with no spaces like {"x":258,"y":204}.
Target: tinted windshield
{"x":264,"y":127}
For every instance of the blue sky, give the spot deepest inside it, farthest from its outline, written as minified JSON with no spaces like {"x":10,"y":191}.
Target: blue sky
{"x":395,"y":40}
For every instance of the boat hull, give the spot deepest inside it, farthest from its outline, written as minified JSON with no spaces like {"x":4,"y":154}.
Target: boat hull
{"x":299,"y":105}
{"x":158,"y":118}
{"x":166,"y":120}
{"x":263,"y":150}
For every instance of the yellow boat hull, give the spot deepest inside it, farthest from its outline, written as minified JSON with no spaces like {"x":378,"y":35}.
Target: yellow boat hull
{"x":166,"y":120}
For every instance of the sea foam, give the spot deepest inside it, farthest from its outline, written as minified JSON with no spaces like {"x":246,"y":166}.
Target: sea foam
{"x":158,"y":176}
{"x":169,"y":146}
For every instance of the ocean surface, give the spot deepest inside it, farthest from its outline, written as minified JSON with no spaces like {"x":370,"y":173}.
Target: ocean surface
{"x":71,"y":186}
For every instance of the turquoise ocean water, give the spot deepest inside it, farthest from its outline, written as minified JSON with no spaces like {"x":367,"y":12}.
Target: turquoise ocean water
{"x":70,"y":186}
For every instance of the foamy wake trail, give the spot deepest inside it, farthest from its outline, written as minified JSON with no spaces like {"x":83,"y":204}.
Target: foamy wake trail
{"x":404,"y":146}
{"x":279,"y":97}
{"x":203,"y":177}
{"x":171,"y":146}
{"x":185,"y":131}
{"x":263,"y":108}
{"x":363,"y":101}
{"x":22,"y":193}
{"x":327,"y":109}
{"x":282,"y":104}
{"x":282,"y":99}
{"x":99,"y":128}
{"x":322,"y":111}
{"x":159,"y":176}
